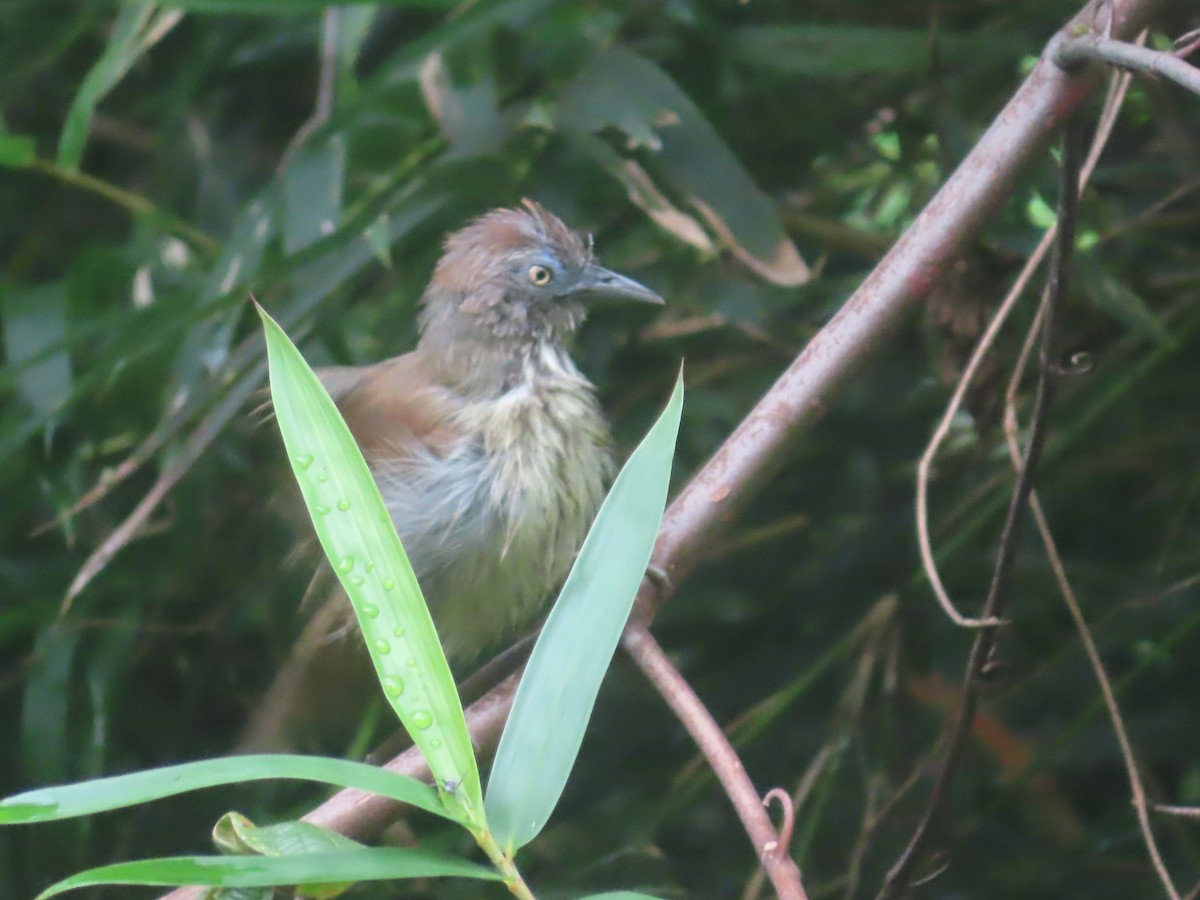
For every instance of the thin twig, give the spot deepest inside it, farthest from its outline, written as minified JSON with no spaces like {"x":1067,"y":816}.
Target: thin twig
{"x":900,"y":877}
{"x":1137,"y":790}
{"x":1118,"y":87}
{"x":1075,"y":51}
{"x":691,"y":712}
{"x":794,"y":803}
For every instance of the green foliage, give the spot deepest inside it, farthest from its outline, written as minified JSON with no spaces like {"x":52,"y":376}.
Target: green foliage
{"x":152,"y":177}
{"x":357,"y":535}
{"x":558,"y":690}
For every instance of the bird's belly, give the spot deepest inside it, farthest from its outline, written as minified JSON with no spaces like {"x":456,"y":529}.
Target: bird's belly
{"x":493,"y":527}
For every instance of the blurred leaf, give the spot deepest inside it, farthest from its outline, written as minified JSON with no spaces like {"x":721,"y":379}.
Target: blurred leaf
{"x":821,"y":51}
{"x":558,"y":690}
{"x":365,"y":864}
{"x":119,"y":791}
{"x":294,"y":7}
{"x":312,"y":192}
{"x":16,"y":150}
{"x":1113,"y":296}
{"x":45,"y":741}
{"x":468,"y":116}
{"x":242,"y":252}
{"x":619,"y":89}
{"x":357,"y":534}
{"x":35,"y":328}
{"x":139,"y":27}
{"x":469,"y":23}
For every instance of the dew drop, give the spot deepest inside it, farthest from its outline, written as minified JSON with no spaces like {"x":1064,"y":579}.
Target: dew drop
{"x":370,"y":610}
{"x":422,"y":719}
{"x":393,"y":686}
{"x":303,"y":461}
{"x":399,"y":632}
{"x":343,"y":504}
{"x":381,"y":646}
{"x":357,"y":580}
{"x":436,"y":743}
{"x":389,"y":584}
{"x":323,"y":477}
{"x":411,"y":663}
{"x":370,"y":566}
{"x":320,"y":509}
{"x":346,"y":564}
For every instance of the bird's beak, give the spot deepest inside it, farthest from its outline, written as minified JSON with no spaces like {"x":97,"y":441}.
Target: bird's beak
{"x":597,"y":282}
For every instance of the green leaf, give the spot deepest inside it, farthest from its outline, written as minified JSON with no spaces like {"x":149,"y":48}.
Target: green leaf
{"x":847,"y":50}
{"x":365,"y":864}
{"x":35,"y":334}
{"x":1117,"y":299}
{"x":237,"y":835}
{"x":312,"y":192}
{"x":16,"y":150}
{"x":242,"y":252}
{"x":138,"y":28}
{"x":619,"y":89}
{"x":45,"y":720}
{"x":116,"y":792}
{"x":357,"y":534}
{"x":293,"y":7}
{"x":558,"y":690}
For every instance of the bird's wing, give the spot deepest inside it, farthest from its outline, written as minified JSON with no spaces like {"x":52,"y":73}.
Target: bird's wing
{"x":394,"y":408}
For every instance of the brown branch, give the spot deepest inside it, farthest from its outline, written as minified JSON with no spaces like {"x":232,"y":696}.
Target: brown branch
{"x":771,"y":848}
{"x":900,"y":877}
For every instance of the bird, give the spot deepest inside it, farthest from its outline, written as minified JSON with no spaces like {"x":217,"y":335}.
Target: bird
{"x":487,"y":443}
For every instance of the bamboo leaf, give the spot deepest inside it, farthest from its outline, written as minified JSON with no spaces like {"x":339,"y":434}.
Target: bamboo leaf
{"x":365,"y":864}
{"x":118,"y":791}
{"x":555,"y":698}
{"x":356,"y":532}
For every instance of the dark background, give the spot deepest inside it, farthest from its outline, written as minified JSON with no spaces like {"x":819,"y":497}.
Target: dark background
{"x":826,"y":123}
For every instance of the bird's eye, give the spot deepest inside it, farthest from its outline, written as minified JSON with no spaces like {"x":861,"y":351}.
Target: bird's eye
{"x":540,"y":275}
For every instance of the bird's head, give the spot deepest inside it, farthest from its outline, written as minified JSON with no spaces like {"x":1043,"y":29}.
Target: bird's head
{"x":518,"y":275}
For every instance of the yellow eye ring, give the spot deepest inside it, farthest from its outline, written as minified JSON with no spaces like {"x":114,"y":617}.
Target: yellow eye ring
{"x":540,"y":275}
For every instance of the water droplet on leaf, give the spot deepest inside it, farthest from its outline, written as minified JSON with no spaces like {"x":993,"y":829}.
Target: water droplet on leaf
{"x":370,"y":610}
{"x":393,"y":686}
{"x":303,"y":461}
{"x":346,"y":564}
{"x":381,"y":646}
{"x":422,"y":719}
{"x":343,"y":504}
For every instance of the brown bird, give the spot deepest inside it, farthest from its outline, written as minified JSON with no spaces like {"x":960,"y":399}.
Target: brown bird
{"x":487,"y":443}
